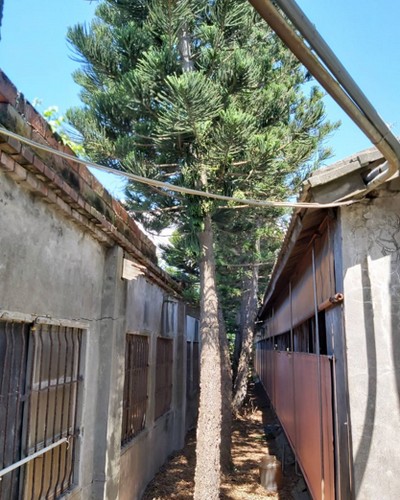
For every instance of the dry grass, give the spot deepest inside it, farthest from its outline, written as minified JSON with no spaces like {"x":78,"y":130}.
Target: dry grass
{"x":176,"y":479}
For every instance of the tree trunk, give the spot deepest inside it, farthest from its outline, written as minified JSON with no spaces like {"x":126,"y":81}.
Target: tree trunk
{"x":251,"y":287}
{"x":226,"y":391}
{"x":239,"y":330}
{"x":208,"y":468}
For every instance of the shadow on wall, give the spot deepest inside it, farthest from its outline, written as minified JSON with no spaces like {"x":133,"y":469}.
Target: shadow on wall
{"x":395,"y":316}
{"x":364,"y":448}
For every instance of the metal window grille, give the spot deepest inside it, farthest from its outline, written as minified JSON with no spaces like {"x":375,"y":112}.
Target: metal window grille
{"x":196,"y":365}
{"x":39,"y":384}
{"x":164,"y":360}
{"x":135,"y":386}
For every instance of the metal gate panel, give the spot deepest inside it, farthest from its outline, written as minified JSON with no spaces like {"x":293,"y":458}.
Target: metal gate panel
{"x":303,"y":403}
{"x":308,"y":445}
{"x":327,"y":429}
{"x":284,"y":397}
{"x":314,"y":429}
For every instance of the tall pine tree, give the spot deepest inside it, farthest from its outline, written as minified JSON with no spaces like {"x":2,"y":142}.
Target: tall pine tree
{"x":198,"y":93}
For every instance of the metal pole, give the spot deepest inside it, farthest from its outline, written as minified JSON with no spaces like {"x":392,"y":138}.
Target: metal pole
{"x":317,"y":348}
{"x":322,"y":49}
{"x":37,"y":454}
{"x":294,"y":42}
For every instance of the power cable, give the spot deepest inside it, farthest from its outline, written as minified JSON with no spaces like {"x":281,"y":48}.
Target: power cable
{"x":171,"y":187}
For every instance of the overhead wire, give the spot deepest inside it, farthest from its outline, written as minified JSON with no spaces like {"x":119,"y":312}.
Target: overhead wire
{"x":171,"y":187}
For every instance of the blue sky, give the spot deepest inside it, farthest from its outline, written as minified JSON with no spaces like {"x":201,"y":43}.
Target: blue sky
{"x":363,"y":34}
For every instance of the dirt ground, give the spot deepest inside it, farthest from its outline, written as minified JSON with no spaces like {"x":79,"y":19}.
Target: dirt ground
{"x":255,"y":433}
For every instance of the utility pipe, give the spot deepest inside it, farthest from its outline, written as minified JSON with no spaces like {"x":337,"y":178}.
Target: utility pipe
{"x":335,"y":299}
{"x":346,"y":93}
{"x":322,"y":49}
{"x":319,"y":381}
{"x":29,"y":458}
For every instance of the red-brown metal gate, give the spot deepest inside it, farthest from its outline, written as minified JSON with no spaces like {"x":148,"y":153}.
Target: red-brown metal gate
{"x":300,"y":388}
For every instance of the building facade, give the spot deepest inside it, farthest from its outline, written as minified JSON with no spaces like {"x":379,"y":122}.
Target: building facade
{"x":98,"y":352}
{"x":328,"y":350}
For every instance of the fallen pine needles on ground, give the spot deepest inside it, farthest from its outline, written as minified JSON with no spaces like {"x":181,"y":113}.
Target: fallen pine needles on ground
{"x":175,"y":480}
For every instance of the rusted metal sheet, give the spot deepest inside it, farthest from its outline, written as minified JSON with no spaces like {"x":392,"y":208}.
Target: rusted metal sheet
{"x":269,"y":374}
{"x":290,"y":310}
{"x":325,"y":276}
{"x":299,"y":386}
{"x":303,"y":292}
{"x":284,"y":395}
{"x":327,"y":428}
{"x":281,"y":318}
{"x":314,"y":429}
{"x":308,"y":443}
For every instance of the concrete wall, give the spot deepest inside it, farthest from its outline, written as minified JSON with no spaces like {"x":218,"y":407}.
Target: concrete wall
{"x":371,"y":274}
{"x":49,"y":266}
{"x":153,"y":312}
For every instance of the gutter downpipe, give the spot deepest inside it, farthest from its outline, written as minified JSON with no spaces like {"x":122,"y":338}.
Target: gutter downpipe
{"x":338,"y":83}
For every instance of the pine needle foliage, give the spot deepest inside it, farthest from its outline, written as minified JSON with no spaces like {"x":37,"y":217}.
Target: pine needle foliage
{"x":240,"y":117}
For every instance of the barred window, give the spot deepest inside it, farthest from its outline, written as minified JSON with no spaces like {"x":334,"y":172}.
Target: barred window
{"x":39,"y":387}
{"x":135,"y":386}
{"x":163,"y":392}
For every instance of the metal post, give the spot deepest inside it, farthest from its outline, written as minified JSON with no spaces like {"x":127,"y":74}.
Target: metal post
{"x":37,"y":454}
{"x":318,"y":352}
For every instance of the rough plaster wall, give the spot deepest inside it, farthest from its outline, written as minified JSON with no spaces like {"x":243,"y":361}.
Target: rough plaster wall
{"x":371,"y":264}
{"x":144,"y":307}
{"x":141,"y":458}
{"x":47,"y":265}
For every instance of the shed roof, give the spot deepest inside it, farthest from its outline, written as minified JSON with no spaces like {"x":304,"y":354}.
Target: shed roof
{"x":325,"y":185}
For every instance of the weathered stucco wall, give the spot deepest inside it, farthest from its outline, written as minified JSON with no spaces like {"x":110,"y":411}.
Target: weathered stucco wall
{"x":151,"y":311}
{"x":47,"y":265}
{"x":50,"y":267}
{"x":63,"y":241}
{"x":371,"y":266}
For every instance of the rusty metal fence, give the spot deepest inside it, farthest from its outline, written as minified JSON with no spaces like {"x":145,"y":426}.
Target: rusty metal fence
{"x":39,"y":388}
{"x":164,"y":365}
{"x":135,"y":386}
{"x":300,"y":388}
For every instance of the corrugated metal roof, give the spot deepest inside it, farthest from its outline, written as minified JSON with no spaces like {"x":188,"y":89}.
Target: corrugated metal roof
{"x":324,"y":185}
